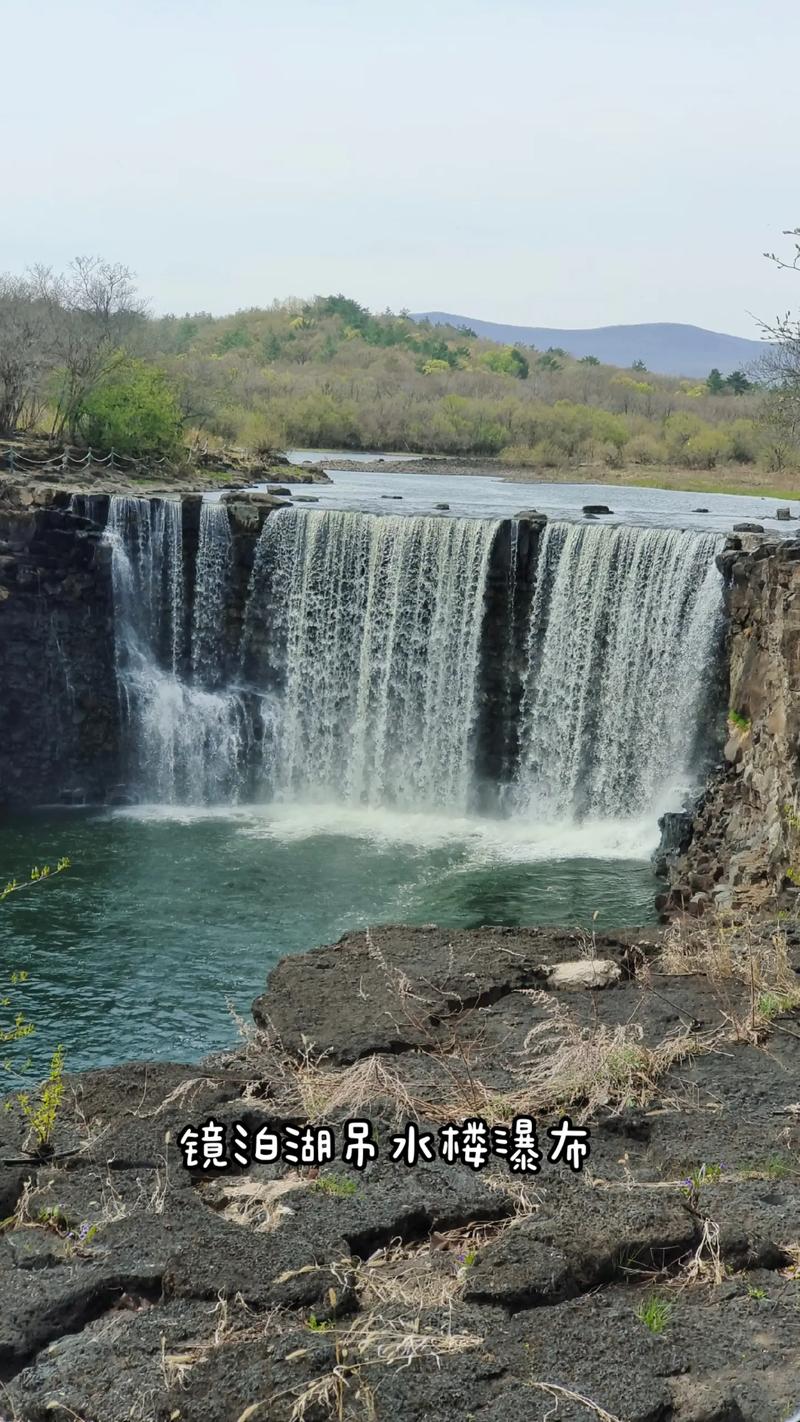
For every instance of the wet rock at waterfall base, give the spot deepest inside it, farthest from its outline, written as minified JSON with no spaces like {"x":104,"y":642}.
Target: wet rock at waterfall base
{"x":676,"y":834}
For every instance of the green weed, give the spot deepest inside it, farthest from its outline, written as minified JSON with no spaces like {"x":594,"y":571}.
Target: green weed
{"x":654,"y":1313}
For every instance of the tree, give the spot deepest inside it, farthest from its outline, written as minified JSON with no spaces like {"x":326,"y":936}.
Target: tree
{"x":639,"y":365}
{"x":588,"y":360}
{"x":133,"y":411}
{"x":715,"y":382}
{"x":23,"y":358}
{"x":92,"y":313}
{"x":508,"y":360}
{"x":781,"y":410}
{"x":737,"y":382}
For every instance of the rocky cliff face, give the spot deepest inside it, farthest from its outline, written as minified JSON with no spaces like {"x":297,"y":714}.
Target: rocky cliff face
{"x":60,"y":726}
{"x":58,"y":709}
{"x":745,"y":835}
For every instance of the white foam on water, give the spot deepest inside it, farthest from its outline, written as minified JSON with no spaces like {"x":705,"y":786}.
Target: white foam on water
{"x":484,"y":840}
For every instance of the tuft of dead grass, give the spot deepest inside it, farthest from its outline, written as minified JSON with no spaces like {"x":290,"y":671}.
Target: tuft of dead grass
{"x":371,"y":1342}
{"x":557,"y":1392}
{"x":747,"y":962}
{"x":253,"y":1203}
{"x":566,"y":1067}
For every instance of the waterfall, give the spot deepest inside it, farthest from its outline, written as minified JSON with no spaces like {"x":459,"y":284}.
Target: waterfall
{"x":212,"y":587}
{"x":621,"y":636}
{"x":186,"y":743}
{"x":414,"y":663}
{"x":375,"y":637}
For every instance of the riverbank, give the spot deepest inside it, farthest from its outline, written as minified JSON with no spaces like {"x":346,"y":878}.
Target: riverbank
{"x":35,"y":463}
{"x":728,"y":479}
{"x":662,"y":1279}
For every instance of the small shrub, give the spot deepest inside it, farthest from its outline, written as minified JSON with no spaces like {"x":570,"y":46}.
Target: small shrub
{"x":41,"y":1111}
{"x":646,"y":449}
{"x":133,"y":412}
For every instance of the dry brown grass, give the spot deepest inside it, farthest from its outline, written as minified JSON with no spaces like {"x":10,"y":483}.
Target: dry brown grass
{"x":255,"y":1204}
{"x":557,"y":1392}
{"x":561,"y":1066}
{"x":426,"y":1274}
{"x":747,"y":962}
{"x":368,"y":1343}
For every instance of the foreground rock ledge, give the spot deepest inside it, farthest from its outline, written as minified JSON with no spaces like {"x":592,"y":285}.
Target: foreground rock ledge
{"x":130,"y":1288}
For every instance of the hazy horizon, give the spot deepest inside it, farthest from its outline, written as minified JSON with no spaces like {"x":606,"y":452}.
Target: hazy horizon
{"x":586,"y":167}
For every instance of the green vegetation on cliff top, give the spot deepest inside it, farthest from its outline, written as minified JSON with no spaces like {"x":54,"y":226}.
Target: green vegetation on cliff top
{"x":80,"y":358}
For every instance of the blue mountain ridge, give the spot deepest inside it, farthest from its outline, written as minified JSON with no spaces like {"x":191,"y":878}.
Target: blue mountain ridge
{"x":667,"y":348}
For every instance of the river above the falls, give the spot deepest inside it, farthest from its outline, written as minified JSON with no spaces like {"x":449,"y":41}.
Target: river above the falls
{"x":393,"y":490}
{"x":167,"y":915}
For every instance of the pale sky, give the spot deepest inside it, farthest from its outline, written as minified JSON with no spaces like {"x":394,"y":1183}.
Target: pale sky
{"x":571,"y":163}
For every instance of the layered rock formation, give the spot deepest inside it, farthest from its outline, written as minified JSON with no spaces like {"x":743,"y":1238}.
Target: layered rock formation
{"x":58,"y":708}
{"x":745,"y":833}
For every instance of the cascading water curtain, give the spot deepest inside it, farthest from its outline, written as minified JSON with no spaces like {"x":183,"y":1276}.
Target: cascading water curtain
{"x":374,"y":640}
{"x":211,"y":593}
{"x":187,"y":744}
{"x":358,"y":678}
{"x":623,"y":629}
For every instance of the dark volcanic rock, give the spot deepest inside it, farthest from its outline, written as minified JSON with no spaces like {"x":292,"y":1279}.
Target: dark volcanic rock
{"x":56,"y":653}
{"x":390,"y":989}
{"x":580,"y":1238}
{"x":438,"y":1291}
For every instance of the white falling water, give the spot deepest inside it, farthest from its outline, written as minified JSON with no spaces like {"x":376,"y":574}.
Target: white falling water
{"x":622,"y":630}
{"x":212,"y":587}
{"x":187,"y":745}
{"x":360,"y":666}
{"x":376,"y":628}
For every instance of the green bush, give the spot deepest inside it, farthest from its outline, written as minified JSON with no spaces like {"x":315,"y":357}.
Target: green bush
{"x":133,"y":412}
{"x":704,"y":449}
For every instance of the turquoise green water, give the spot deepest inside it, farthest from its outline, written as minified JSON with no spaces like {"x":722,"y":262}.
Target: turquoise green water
{"x":163,"y":920}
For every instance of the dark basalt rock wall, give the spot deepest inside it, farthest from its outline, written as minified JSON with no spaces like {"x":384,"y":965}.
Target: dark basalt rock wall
{"x":59,"y":717}
{"x":745,"y":832}
{"x":510,"y":586}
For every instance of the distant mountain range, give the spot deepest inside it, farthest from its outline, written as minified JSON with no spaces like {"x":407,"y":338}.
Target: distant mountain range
{"x":666,"y":348}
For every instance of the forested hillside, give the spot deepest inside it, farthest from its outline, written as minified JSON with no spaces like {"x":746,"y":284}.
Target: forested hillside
{"x":327,"y":373}
{"x":81,"y":359}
